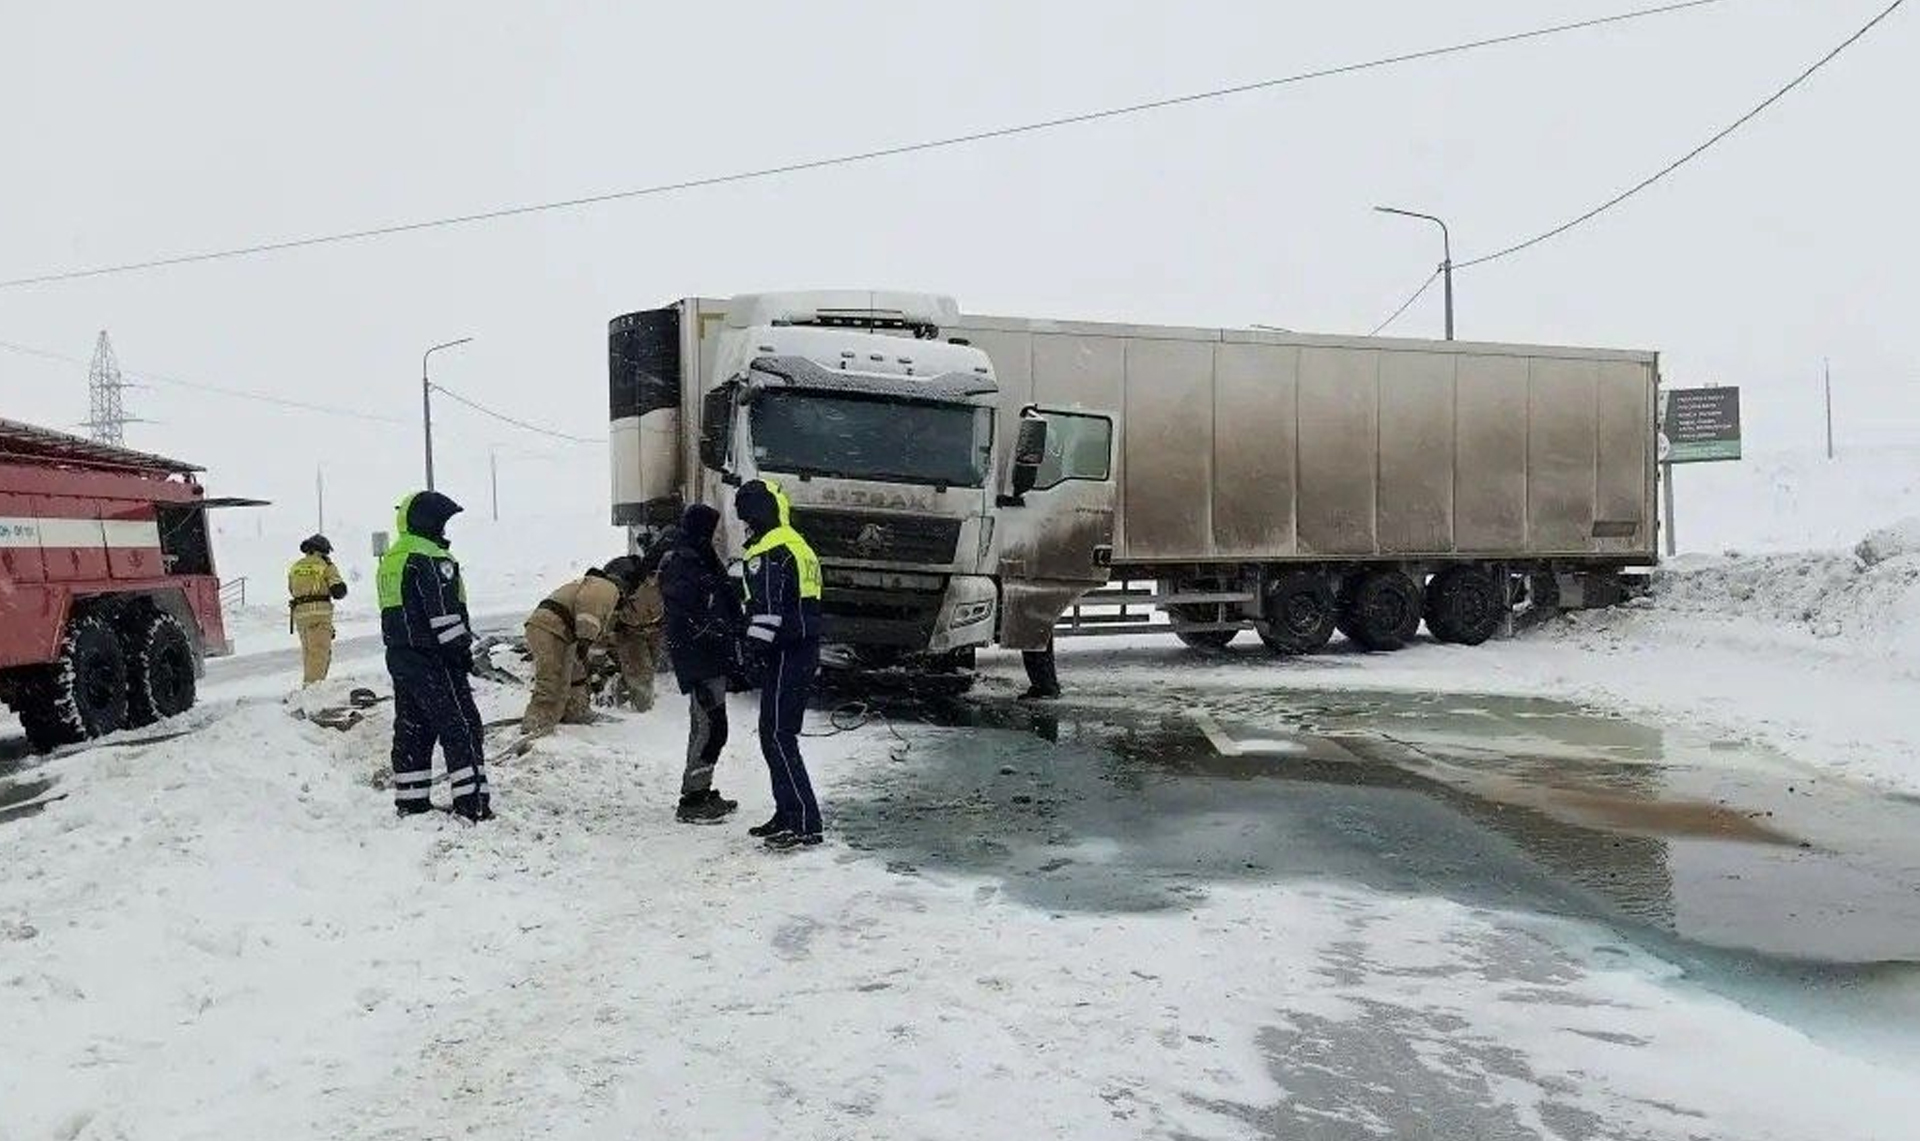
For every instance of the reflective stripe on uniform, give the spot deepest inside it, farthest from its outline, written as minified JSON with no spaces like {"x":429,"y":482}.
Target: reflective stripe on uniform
{"x":767,"y":619}
{"x":760,"y":633}
{"x":412,"y":793}
{"x":453,"y":633}
{"x":461,"y":779}
{"x":443,"y":620}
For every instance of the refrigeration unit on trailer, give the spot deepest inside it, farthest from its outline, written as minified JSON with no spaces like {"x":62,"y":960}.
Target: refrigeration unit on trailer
{"x":108,"y":596}
{"x":1293,"y":484}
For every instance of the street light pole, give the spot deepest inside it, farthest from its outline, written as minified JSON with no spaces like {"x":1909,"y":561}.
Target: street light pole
{"x":1827,"y":369}
{"x":426,"y":402}
{"x":1446,"y":245}
{"x":493,"y":477}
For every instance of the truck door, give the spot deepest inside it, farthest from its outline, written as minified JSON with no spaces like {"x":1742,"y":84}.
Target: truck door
{"x":1055,"y":523}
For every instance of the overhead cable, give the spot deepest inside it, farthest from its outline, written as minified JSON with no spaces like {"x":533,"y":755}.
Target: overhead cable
{"x":1034,"y":127}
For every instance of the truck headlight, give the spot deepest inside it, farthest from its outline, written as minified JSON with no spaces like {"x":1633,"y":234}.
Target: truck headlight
{"x":967,"y":613}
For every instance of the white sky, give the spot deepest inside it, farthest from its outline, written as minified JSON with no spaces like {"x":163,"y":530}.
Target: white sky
{"x":136,"y":129}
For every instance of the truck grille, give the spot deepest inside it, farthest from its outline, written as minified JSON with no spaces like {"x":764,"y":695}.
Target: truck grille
{"x":873,"y":537}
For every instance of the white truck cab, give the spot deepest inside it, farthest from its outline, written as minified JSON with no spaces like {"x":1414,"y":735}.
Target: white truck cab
{"x":881,"y":434}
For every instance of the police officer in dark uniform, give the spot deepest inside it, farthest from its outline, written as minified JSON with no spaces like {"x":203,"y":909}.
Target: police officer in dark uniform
{"x":429,"y":638}
{"x":783,"y":640}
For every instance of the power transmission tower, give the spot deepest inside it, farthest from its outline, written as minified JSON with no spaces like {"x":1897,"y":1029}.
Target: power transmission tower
{"x":108,"y":417}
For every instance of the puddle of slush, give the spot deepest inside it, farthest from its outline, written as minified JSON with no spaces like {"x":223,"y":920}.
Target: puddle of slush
{"x":1523,"y":803}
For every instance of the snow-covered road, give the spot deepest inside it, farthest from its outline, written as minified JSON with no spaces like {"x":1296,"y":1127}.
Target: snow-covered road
{"x":1650,"y":873}
{"x":1082,"y":922}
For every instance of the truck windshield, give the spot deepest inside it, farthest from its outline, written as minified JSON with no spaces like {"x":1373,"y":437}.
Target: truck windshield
{"x":855,"y":437}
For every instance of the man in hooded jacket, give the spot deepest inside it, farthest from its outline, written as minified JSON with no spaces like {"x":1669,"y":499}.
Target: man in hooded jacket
{"x":703,"y":628}
{"x":429,"y":639}
{"x":783,"y":636}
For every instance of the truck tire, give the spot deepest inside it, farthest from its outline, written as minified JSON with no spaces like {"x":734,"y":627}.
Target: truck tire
{"x":84,"y":693}
{"x":1381,"y":610}
{"x":1463,"y":606}
{"x":160,"y":667}
{"x":1300,"y":614}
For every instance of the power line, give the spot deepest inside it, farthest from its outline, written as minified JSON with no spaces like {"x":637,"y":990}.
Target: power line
{"x":856,"y":156}
{"x":1669,"y":169}
{"x":1696,"y":152}
{"x":1407,"y":304}
{"x":220,"y":390}
{"x":505,"y":419}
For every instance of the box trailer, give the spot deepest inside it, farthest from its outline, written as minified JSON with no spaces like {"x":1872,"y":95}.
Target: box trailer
{"x":1292,"y":484}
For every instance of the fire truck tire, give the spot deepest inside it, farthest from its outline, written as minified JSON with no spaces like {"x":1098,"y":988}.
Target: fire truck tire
{"x":84,"y":693}
{"x":160,"y":667}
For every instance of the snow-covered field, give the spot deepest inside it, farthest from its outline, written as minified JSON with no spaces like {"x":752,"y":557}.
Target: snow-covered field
{"x":228,"y":935}
{"x":510,"y":565}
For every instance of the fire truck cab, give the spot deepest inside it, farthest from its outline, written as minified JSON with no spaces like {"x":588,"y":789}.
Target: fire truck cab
{"x":109,"y":602}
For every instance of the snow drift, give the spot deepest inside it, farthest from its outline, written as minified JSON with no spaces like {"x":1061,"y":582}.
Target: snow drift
{"x":1868,"y":596}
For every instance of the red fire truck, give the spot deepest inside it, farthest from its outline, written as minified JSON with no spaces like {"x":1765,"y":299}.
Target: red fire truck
{"x":108,"y":598}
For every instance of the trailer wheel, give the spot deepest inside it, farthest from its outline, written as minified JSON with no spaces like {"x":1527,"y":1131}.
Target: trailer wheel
{"x":84,"y":693}
{"x":1463,"y":606}
{"x":1300,"y":614}
{"x":1381,"y":610}
{"x":160,"y":668}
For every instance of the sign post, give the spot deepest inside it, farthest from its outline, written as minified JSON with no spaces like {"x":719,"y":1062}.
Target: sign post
{"x":1697,"y":425}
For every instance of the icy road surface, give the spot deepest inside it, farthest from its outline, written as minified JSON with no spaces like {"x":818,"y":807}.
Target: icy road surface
{"x":1161,"y":909}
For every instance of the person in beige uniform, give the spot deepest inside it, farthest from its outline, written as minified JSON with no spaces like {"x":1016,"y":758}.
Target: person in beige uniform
{"x":559,"y":632}
{"x":313,"y":586}
{"x":637,"y":636}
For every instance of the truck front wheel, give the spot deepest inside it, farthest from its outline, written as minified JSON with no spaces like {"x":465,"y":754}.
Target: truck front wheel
{"x":1381,"y":610}
{"x":160,"y":668}
{"x":1463,"y":606}
{"x":83,"y":694}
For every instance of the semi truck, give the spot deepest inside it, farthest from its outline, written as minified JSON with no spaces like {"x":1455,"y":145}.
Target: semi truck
{"x":109,"y":602}
{"x":975,"y":479}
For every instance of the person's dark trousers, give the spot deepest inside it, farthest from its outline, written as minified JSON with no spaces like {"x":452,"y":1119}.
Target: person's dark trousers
{"x":706,"y":734}
{"x":783,"y":704}
{"x":1043,"y":680}
{"x":433,"y":703}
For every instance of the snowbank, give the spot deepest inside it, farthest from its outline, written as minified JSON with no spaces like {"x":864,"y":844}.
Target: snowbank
{"x":1867,"y":598}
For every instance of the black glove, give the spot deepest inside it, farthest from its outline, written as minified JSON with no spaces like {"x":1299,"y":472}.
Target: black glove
{"x":749,"y":668}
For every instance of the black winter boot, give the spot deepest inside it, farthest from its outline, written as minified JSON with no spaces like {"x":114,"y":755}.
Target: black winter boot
{"x":702,"y":808}
{"x":772,"y":827}
{"x":791,"y":841}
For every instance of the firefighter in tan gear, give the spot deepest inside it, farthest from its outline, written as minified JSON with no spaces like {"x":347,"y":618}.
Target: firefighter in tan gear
{"x":560,"y":631}
{"x":637,"y":639}
{"x":313,"y":586}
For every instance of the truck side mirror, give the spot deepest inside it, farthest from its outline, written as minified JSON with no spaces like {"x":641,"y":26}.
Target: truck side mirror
{"x":716,"y":427}
{"x":1029,"y":452}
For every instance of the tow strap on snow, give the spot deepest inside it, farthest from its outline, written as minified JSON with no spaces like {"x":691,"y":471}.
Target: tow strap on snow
{"x":854,"y":715}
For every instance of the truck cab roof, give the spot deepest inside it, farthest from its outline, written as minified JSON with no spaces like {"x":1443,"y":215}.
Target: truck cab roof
{"x":860,"y":308}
